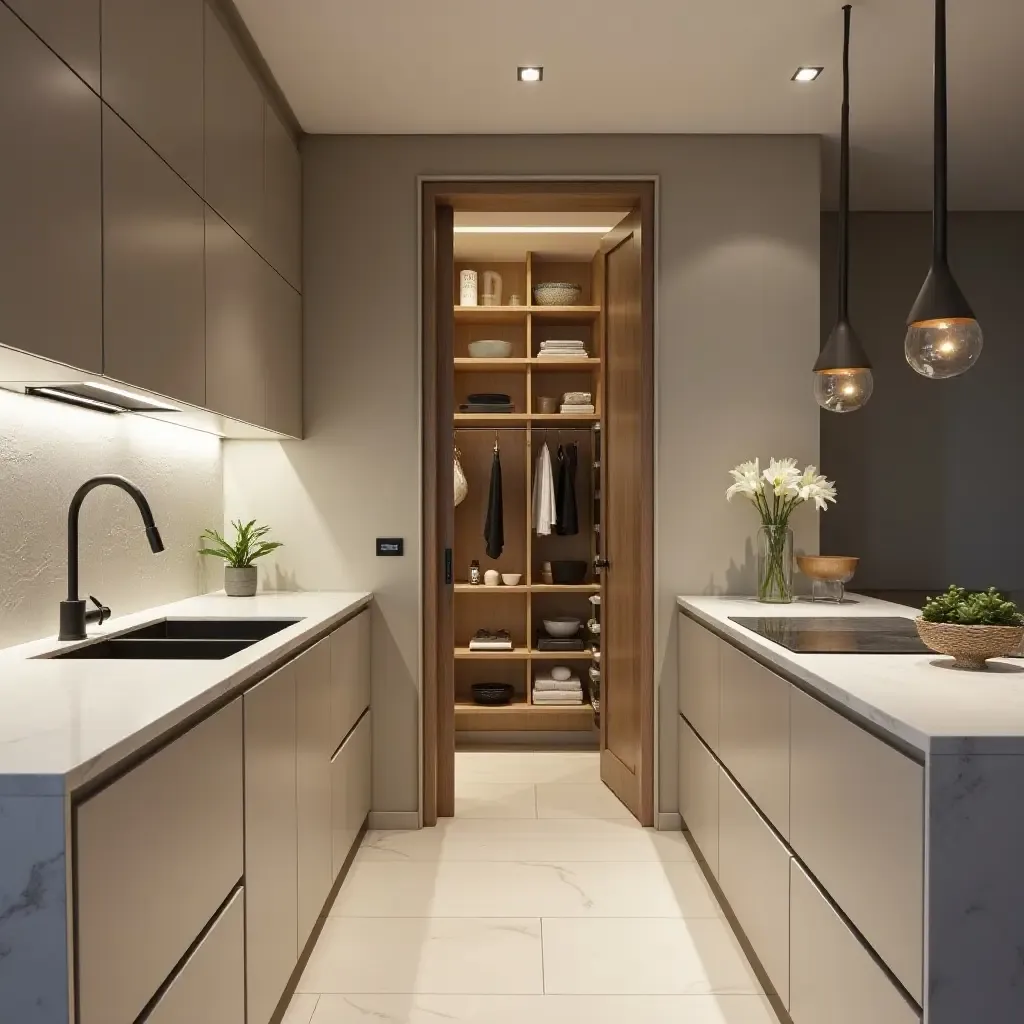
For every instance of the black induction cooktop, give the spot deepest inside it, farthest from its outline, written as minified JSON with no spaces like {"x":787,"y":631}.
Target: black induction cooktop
{"x":860,"y":635}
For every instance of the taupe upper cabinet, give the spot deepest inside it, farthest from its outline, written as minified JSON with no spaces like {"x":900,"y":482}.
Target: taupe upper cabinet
{"x":282,"y":243}
{"x":51,"y":239}
{"x":234,"y":134}
{"x":71,"y":28}
{"x":153,"y":76}
{"x":153,"y":282}
{"x":282,"y":353}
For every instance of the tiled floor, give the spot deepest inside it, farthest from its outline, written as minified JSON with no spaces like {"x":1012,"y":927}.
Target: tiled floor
{"x":542,"y":901}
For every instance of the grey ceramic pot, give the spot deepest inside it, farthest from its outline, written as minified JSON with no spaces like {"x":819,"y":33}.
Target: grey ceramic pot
{"x":240,"y":582}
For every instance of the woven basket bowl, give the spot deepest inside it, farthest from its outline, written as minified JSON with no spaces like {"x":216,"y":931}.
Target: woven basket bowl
{"x":970,"y":646}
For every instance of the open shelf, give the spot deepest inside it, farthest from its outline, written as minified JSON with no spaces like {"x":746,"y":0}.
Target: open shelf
{"x":536,"y":655}
{"x":481,"y":588}
{"x":467,"y":364}
{"x":583,"y":314}
{"x":533,"y":588}
{"x":522,"y":418}
{"x":561,"y":365}
{"x":490,"y":314}
{"x":516,"y":704}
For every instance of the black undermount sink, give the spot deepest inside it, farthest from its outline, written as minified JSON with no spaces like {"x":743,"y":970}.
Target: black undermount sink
{"x":209,"y":629}
{"x":157,"y":650}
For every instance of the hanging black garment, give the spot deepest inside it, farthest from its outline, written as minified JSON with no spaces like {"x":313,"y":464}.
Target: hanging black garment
{"x":494,"y":525}
{"x":568,"y":524}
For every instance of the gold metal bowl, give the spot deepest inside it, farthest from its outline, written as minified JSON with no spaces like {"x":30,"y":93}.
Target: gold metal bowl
{"x":835,"y":568}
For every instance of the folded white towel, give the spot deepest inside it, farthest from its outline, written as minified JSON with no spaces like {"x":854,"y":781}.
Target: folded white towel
{"x":554,"y":685}
{"x":560,"y":702}
{"x":582,"y":354}
{"x":543,"y":696}
{"x":577,"y":410}
{"x":562,"y":343}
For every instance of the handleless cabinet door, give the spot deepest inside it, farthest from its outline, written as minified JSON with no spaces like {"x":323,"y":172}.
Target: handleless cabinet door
{"x":857,"y":822}
{"x":153,"y":76}
{"x":283,"y":209}
{"x":282,"y":351}
{"x":753,"y":871}
{"x":350,"y":790}
{"x":313,"y":701}
{"x":271,"y":857}
{"x":210,"y":987}
{"x":158,"y":850}
{"x":699,"y":678}
{"x":833,"y":978}
{"x":235,"y":367}
{"x":698,"y":793}
{"x":51,"y":240}
{"x":753,"y":739}
{"x":71,"y":28}
{"x":234,"y":108}
{"x":154,"y":299}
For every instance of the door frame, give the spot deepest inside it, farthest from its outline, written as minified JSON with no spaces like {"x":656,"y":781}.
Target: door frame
{"x":535,"y":193}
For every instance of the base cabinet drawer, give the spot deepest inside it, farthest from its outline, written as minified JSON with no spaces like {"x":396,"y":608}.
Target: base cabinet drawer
{"x":753,"y":737}
{"x":350,"y":674}
{"x":699,"y":674}
{"x":834,"y":980}
{"x":158,"y":852}
{"x":857,"y":822}
{"x":754,"y":875}
{"x":350,"y":790}
{"x":698,"y":793}
{"x":210,"y":987}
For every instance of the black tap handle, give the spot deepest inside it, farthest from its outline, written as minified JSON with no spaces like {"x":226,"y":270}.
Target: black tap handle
{"x":102,"y":612}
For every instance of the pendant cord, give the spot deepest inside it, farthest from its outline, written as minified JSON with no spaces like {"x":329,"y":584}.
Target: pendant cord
{"x":939,"y":242}
{"x":844,"y":176}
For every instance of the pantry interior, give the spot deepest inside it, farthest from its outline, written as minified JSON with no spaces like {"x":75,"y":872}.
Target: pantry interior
{"x":516,"y":387}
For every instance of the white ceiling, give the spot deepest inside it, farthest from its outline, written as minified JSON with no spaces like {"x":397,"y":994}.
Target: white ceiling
{"x":720,"y":66}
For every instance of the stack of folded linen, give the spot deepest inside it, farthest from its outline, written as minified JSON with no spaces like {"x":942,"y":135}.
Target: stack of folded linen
{"x":549,"y":691}
{"x":564,"y":349}
{"x":577,"y":403}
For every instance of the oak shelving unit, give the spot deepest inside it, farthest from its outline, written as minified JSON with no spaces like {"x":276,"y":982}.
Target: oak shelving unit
{"x":524,"y":376}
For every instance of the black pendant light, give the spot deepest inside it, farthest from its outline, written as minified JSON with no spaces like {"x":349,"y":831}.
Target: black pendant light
{"x":943,"y":336}
{"x":842,"y":374}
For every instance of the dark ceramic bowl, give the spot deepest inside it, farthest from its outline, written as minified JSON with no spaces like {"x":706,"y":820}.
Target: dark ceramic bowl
{"x":492,"y":695}
{"x":567,"y":573}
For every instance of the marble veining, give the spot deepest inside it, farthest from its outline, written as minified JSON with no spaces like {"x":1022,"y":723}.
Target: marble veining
{"x":33,"y":910}
{"x":63,"y":723}
{"x":914,"y":698}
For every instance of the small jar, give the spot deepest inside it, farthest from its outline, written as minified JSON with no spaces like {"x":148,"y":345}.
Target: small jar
{"x":474,"y":572}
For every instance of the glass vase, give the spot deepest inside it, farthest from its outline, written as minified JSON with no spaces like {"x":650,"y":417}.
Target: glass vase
{"x":775,"y":564}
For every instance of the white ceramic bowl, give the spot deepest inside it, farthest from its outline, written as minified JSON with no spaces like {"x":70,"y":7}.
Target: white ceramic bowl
{"x":491,"y":348}
{"x":511,"y":579}
{"x":562,"y":627}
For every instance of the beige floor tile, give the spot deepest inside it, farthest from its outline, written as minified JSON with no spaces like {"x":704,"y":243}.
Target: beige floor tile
{"x":440,"y":955}
{"x":593,"y":800}
{"x":530,"y":889}
{"x":300,"y":1009}
{"x":654,"y":956}
{"x":527,"y":766}
{"x":495,"y":800}
{"x":421,"y":1009}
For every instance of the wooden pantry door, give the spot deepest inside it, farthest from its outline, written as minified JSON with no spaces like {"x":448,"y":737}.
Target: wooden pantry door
{"x":627,"y":603}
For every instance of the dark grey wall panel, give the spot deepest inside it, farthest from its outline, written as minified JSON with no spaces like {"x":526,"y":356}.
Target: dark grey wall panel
{"x":50,"y":241}
{"x":153,"y":76}
{"x":70,"y":27}
{"x":153,"y":284}
{"x":929,"y":492}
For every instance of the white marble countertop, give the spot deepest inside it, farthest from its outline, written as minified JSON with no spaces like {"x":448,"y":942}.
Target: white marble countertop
{"x":63,"y":722}
{"x":916,"y":698}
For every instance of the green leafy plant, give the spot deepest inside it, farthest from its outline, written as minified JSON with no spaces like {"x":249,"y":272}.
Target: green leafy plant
{"x":248,"y":546}
{"x":961,"y":607}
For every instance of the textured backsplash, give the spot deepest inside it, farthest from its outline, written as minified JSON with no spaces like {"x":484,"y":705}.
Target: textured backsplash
{"x":46,"y":451}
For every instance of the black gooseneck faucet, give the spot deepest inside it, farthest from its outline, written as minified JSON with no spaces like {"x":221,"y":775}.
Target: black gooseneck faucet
{"x":73,"y":616}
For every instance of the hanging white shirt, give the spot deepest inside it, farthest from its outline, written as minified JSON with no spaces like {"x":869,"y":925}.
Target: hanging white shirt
{"x":544,"y":507}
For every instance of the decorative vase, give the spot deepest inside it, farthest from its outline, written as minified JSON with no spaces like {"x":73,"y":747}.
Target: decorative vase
{"x":775,"y":564}
{"x":240,"y":582}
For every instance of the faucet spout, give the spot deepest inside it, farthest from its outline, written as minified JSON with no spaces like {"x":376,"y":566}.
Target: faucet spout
{"x":73,"y":616}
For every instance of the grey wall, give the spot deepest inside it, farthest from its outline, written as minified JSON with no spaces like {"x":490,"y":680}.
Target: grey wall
{"x":738,"y":293}
{"x":930,"y":488}
{"x":46,"y":451}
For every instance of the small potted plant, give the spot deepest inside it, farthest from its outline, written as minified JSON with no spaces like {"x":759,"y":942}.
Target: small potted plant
{"x":239,"y":570}
{"x":971,"y":626}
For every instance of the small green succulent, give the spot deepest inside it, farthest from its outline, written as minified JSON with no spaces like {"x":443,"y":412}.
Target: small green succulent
{"x":961,"y":607}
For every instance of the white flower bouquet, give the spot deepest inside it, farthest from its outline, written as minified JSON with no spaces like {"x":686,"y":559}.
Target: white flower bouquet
{"x":776,"y":492}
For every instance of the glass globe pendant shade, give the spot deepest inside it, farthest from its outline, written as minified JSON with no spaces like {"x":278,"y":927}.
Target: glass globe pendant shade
{"x":843,"y":390}
{"x":943,"y":348}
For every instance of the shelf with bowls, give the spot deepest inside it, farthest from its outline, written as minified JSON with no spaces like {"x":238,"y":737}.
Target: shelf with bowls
{"x":469,"y":364}
{"x":490,"y":314}
{"x":549,"y":419}
{"x":516,"y":654}
{"x":529,"y":588}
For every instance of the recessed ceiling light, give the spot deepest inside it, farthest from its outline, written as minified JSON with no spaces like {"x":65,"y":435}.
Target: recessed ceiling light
{"x":531,"y":73}
{"x":806,"y":74}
